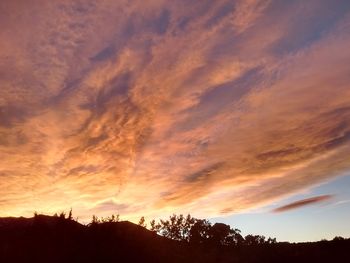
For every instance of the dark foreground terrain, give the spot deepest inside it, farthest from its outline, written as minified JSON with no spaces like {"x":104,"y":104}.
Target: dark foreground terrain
{"x":53,"y":239}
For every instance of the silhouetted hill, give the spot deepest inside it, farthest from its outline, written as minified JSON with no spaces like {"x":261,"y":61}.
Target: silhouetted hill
{"x":55,"y":239}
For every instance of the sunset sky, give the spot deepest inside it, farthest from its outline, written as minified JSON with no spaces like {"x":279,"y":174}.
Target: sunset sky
{"x":237,"y":111}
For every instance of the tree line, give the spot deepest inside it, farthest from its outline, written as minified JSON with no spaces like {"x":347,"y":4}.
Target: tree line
{"x":202,"y":231}
{"x":195,"y":231}
{"x":186,"y":229}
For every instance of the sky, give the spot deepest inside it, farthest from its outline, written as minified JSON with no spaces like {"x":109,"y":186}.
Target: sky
{"x":237,"y":111}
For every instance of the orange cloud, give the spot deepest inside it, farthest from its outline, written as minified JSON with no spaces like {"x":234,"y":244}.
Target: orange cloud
{"x":150,"y":108}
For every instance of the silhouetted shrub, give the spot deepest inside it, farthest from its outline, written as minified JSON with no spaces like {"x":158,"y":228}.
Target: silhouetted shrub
{"x":142,"y":222}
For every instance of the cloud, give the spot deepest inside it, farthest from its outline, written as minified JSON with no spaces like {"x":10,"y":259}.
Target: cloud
{"x":302,"y":203}
{"x":203,"y":107}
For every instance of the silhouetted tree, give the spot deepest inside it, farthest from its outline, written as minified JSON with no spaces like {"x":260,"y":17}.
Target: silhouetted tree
{"x":114,"y":218}
{"x":254,"y":240}
{"x":62,"y":215}
{"x":142,"y":222}
{"x":338,"y":238}
{"x":199,"y":232}
{"x":110,"y":219}
{"x":70,"y":214}
{"x":271,"y":240}
{"x":176,"y":227}
{"x":238,"y":239}
{"x":196,"y":231}
{"x":220,"y":234}
{"x":155,"y":227}
{"x":186,"y":226}
{"x":94,"y":221}
{"x":169,"y":228}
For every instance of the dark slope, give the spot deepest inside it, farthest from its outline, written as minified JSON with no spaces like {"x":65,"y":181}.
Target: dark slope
{"x":53,"y":239}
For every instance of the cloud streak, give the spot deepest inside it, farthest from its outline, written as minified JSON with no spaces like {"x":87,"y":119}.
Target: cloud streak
{"x":150,"y":108}
{"x":302,"y":203}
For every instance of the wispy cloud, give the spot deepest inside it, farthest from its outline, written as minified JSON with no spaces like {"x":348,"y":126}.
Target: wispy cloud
{"x":302,"y":203}
{"x":206,"y":107}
